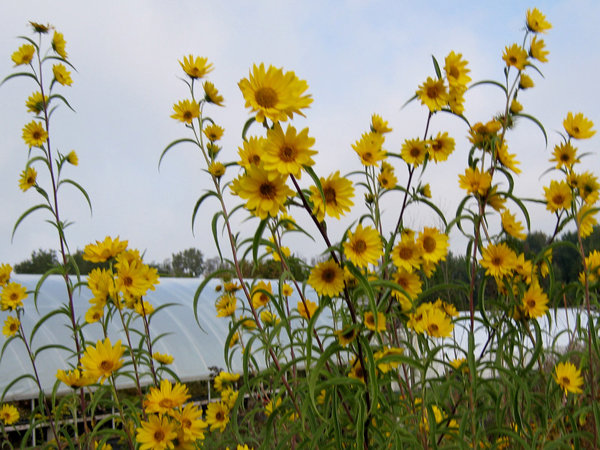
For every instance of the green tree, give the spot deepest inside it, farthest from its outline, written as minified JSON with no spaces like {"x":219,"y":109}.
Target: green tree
{"x":41,"y":261}
{"x":188,"y":263}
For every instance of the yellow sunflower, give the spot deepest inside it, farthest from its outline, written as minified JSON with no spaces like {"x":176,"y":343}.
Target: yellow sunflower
{"x":186,"y":111}
{"x":568,"y":377}
{"x":441,"y":147}
{"x":378,"y":125}
{"x":74,"y":378}
{"x":12,"y":296}
{"x":327,"y":278}
{"x":337,"y":192}
{"x":59,"y":44}
{"x":167,"y":398}
{"x":229,"y":397}
{"x":195,"y":67}
{"x":512,"y":226}
{"x":558,"y":196}
{"x":434,"y":245}
{"x":162,"y":358}
{"x":565,"y":155}
{"x":102,"y":251}
{"x":269,"y":319}
{"x":226,"y":305}
{"x":456,"y":70}
{"x":158,"y":433}
{"x":62,"y":75}
{"x":413,"y":151}
{"x":34,"y":134}
{"x":474,"y":181}
{"x":11,"y":326}
{"x":387,"y":179}
{"x":265,"y":192}
{"x":94,"y":314}
{"x":72,"y":158}
{"x":287,"y":290}
{"x":5,"y":271}
{"x":578,"y":126}
{"x":346,"y":336}
{"x":534,"y":302}
{"x":101,"y":361}
{"x":274,"y":94}
{"x":251,"y":152}
{"x":586,"y":220}
{"x":369,"y":148}
{"x":536,"y":21}
{"x":307,"y":308}
{"x":36,"y":102}
{"x":28,"y":179}
{"x":498,"y":260}
{"x":24,"y":55}
{"x":225,"y":380}
{"x":211,"y":94}
{"x":515,"y":107}
{"x":213,"y":132}
{"x":525,"y":81}
{"x":190,"y":420}
{"x":364,"y":246}
{"x":411,"y":283}
{"x":515,"y":56}
{"x":287,"y":152}
{"x":433,"y":94}
{"x":260,"y":294}
{"x":588,"y":187}
{"x":407,"y":254}
{"x":437,"y":324}
{"x":216,"y":169}
{"x":356,"y":371}
{"x":9,"y":414}
{"x":456,"y":100}
{"x":507,"y":159}
{"x":217,"y":416}
{"x":374,"y":324}
{"x":537,"y":50}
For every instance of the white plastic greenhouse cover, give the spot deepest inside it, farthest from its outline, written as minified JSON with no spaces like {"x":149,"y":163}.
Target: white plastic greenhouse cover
{"x":195,"y":348}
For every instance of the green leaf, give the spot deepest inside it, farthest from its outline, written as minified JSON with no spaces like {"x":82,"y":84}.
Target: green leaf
{"x":198,"y":203}
{"x":26,"y":213}
{"x":173,"y":144}
{"x":20,"y":74}
{"x":38,"y":286}
{"x":215,"y":274}
{"x":60,"y":97}
{"x":492,"y":82}
{"x":81,"y":189}
{"x":257,"y":238}
{"x":249,"y":122}
{"x":537,"y":122}
{"x":436,"y":66}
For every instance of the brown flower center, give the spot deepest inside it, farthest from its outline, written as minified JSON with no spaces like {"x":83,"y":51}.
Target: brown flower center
{"x":558,"y":199}
{"x":496,"y":261}
{"x":512,"y":59}
{"x":267,"y":191}
{"x":288,"y":154}
{"x":159,"y":435}
{"x":330,"y":195}
{"x":415,"y":152}
{"x":531,"y":303}
{"x":429,"y":244}
{"x":106,"y":366}
{"x":566,"y":381}
{"x":219,"y":416}
{"x":432,"y":92}
{"x":166,"y":403}
{"x":405,"y":253}
{"x":328,"y":275}
{"x":359,"y":246}
{"x":266,"y":97}
{"x":255,"y":159}
{"x":127,"y":281}
{"x":454,"y":72}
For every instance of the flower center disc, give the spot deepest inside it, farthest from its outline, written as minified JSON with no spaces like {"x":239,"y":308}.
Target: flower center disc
{"x":429,"y":244}
{"x":267,"y":190}
{"x":266,"y":97}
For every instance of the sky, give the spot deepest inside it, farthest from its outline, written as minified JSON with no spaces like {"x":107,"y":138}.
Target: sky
{"x":358,"y":57}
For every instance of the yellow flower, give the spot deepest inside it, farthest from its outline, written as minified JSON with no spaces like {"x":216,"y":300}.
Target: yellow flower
{"x":40,"y":27}
{"x":346,"y":336}
{"x":414,"y":151}
{"x":426,"y":191}
{"x":534,"y":302}
{"x":217,"y":416}
{"x":287,"y":290}
{"x":229,"y":397}
{"x":448,"y":308}
{"x":515,"y":56}
{"x":216,"y":169}
{"x":385,"y":367}
{"x":285,"y":251}
{"x":266,"y":193}
{"x":411,"y":283}
{"x":162,"y":358}
{"x":195,"y":67}
{"x":11,"y":326}
{"x":102,"y":251}
{"x":58,"y":44}
{"x":28,"y":179}
{"x":372,"y":324}
{"x":211,"y":94}
{"x":378,"y":125}
{"x":434,"y":245}
{"x":565,"y":155}
{"x":274,"y":94}
{"x":190,"y":420}
{"x":167,"y":398}
{"x":433,"y":94}
{"x":158,"y":433}
{"x":416,"y":320}
{"x":558,"y":196}
{"x":536,"y":21}
{"x":437,"y":324}
{"x":441,"y":147}
{"x":524,"y":268}
{"x":287,"y":152}
{"x":508,"y":160}
{"x":456,"y":100}
{"x":34,"y":134}
{"x":337,"y":192}
{"x":475,"y":182}
{"x":12,"y":296}
{"x":578,"y":126}
{"x":269,"y":319}
{"x":5,"y":271}
{"x":9,"y":414}
{"x":327,"y":278}
{"x":72,"y":158}
{"x":321,"y":397}
{"x":225,"y":380}
{"x":456,"y":70}
{"x":586,"y":220}
{"x":24,"y":55}
{"x":568,"y":377}
{"x":271,"y":406}
{"x":143,"y":308}
{"x":74,"y":378}
{"x":186,"y":111}
{"x":62,"y":75}
{"x":261,"y":294}
{"x":460,"y":364}
{"x":307,"y":308}
{"x":511,"y":226}
{"x":515,"y":107}
{"x":498,"y":259}
{"x":134,"y":278}
{"x":94,"y":314}
{"x":101,"y":361}
{"x":407,"y":254}
{"x":357,"y":371}
{"x":588,"y":187}
{"x":369,"y":148}
{"x":251,"y":153}
{"x":387,"y":179}
{"x":364,"y":246}
{"x":537,"y":50}
{"x":36,"y":102}
{"x":213,"y":132}
{"x":525,"y":82}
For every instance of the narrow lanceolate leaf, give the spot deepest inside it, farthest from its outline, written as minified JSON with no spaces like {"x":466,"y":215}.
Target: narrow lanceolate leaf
{"x":537,"y":122}
{"x":436,"y":66}
{"x":492,"y":82}
{"x":60,"y":97}
{"x":198,"y":203}
{"x":81,"y":189}
{"x":247,"y":125}
{"x":173,"y":144}
{"x":26,"y":213}
{"x":20,"y":74}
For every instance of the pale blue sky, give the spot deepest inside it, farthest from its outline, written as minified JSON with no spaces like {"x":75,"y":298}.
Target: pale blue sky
{"x":358,"y":57}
